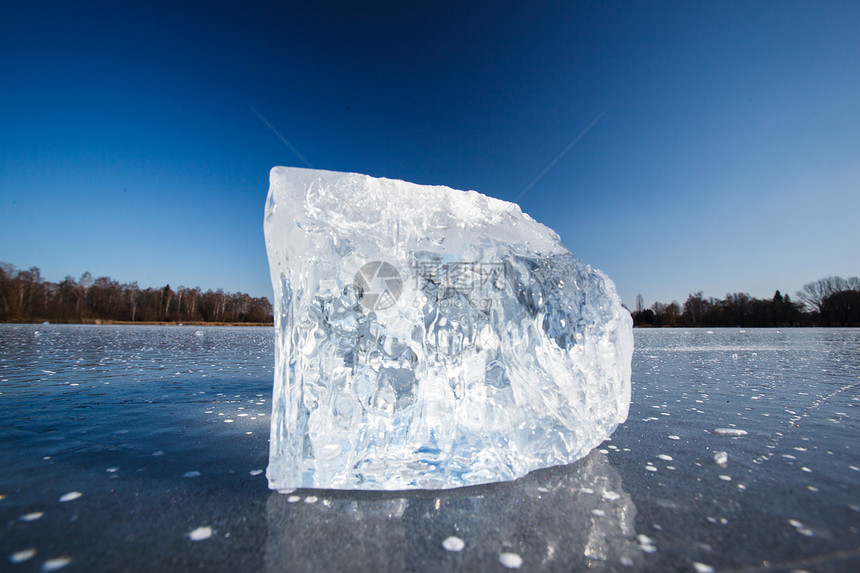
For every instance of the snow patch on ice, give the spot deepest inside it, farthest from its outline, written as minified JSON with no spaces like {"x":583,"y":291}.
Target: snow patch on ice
{"x":200,"y":533}
{"x":733,"y":432}
{"x":453,"y":543}
{"x":511,"y":560}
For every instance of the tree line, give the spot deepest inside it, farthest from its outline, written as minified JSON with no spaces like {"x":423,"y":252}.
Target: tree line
{"x":26,"y":297}
{"x":831,"y":301}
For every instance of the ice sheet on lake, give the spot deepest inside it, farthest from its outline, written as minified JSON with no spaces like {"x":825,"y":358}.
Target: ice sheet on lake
{"x":431,"y":338}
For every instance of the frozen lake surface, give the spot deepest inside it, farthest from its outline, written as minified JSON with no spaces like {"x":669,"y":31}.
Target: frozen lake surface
{"x":144,"y":448}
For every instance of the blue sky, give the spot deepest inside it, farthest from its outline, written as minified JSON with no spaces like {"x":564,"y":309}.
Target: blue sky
{"x":726,"y":158}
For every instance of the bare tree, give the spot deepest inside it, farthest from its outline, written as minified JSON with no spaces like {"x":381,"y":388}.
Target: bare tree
{"x":695,"y":308}
{"x":672,"y":312}
{"x":813,"y":294}
{"x":180,"y":292}
{"x":6,"y":274}
{"x":84,"y":287}
{"x":132,"y":290}
{"x":166,"y":297}
{"x":194,"y":294}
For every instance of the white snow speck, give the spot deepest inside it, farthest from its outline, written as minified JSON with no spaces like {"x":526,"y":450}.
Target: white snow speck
{"x":311,"y":499}
{"x":228,"y":421}
{"x":112,"y":470}
{"x":158,"y":453}
{"x":646,"y":544}
{"x":725,"y":477}
{"x":510,"y":560}
{"x":801,"y":528}
{"x":721,"y":459}
{"x":56,"y":563}
{"x":72,"y":495}
{"x":733,"y":432}
{"x":611,"y":495}
{"x":598,"y":512}
{"x":293,"y":499}
{"x":200,"y":533}
{"x":665,"y":458}
{"x":255,"y":472}
{"x":453,"y":544}
{"x":702,"y":567}
{"x":191,"y":474}
{"x":650,"y":468}
{"x":674,"y":437}
{"x":31,"y":516}
{"x":21,"y":556}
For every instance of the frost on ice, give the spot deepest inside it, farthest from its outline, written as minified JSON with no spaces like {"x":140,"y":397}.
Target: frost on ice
{"x":431,"y":338}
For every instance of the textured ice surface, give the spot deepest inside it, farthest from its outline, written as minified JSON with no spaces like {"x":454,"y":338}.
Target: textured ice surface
{"x":431,"y":338}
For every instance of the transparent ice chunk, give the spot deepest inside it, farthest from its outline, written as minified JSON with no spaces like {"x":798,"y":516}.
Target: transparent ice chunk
{"x":431,"y":338}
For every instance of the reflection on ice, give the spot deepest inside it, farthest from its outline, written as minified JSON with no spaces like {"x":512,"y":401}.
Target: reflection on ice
{"x":569,"y":517}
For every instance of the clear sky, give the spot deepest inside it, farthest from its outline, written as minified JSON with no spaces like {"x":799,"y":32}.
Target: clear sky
{"x":726,"y":156}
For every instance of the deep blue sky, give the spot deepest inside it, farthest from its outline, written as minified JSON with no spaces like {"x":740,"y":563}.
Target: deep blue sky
{"x":727,"y":159}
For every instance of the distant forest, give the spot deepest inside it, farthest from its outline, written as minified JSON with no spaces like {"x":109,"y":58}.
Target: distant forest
{"x":832,"y":301}
{"x":26,"y":297}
